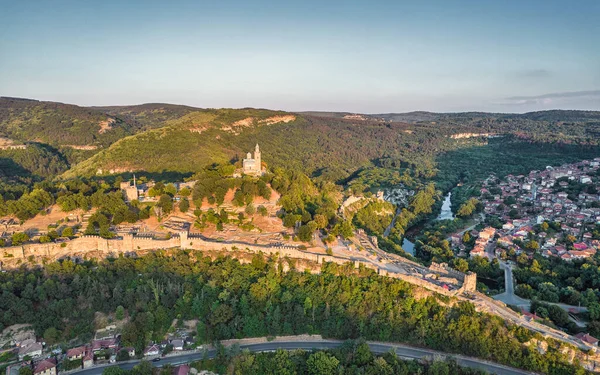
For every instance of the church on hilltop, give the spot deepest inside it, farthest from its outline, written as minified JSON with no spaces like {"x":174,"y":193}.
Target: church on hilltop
{"x":253,"y":165}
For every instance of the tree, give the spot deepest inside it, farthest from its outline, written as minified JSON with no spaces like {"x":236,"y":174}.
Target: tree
{"x":25,"y":370}
{"x":123,"y":355}
{"x":532,"y":245}
{"x":51,"y":335}
{"x":185,"y":192}
{"x":67,"y":232}
{"x":438,"y":368}
{"x":262,"y":210}
{"x":45,"y":239}
{"x":165,"y":203}
{"x":19,"y":238}
{"x":466,"y":238}
{"x":170,"y":189}
{"x":321,"y":363}
{"x":184,"y":205}
{"x":113,"y":370}
{"x":461,"y":265}
{"x":321,"y":221}
{"x":250,"y":209}
{"x":120,"y":313}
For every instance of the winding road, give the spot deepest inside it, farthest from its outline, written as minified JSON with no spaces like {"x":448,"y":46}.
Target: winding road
{"x":402,"y":351}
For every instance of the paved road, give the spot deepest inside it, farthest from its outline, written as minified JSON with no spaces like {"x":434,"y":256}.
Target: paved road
{"x":379,"y":348}
{"x":509,"y":296}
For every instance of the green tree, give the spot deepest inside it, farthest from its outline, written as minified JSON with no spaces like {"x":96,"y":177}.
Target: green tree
{"x":461,"y":265}
{"x":67,"y":232}
{"x":45,"y":239}
{"x":185,"y":192}
{"x":321,"y":363}
{"x":165,"y":203}
{"x":51,"y":335}
{"x":262,"y":210}
{"x":184,"y":205}
{"x":19,"y":238}
{"x":120,"y":313}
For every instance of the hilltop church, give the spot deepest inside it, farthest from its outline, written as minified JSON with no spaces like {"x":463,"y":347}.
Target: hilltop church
{"x":253,"y":166}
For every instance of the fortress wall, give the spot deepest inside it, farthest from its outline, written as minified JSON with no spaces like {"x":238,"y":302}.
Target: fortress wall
{"x":95,"y":246}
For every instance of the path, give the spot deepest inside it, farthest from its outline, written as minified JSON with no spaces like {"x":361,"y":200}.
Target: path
{"x":403,"y":351}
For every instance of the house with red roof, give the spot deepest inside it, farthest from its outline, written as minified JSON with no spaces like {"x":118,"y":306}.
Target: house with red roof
{"x":76,"y":353}
{"x":587,"y":339}
{"x":181,"y":370}
{"x":45,"y":367}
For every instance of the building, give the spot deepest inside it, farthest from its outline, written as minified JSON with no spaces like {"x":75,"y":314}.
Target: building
{"x":31,"y":350}
{"x":88,"y":359}
{"x":177,"y":344}
{"x":45,"y":367}
{"x":253,"y":165}
{"x":98,"y":345}
{"x":152,"y":351}
{"x":130,"y":191}
{"x":130,"y":350}
{"x":584,"y":337}
{"x":181,"y":370}
{"x":76,"y":353}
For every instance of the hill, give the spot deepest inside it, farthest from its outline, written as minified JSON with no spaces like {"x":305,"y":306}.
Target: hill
{"x":320,"y":146}
{"x":59,"y":124}
{"x":148,"y":116}
{"x":337,"y":146}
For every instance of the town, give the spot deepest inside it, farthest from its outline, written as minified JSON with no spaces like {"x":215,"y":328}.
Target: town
{"x":554,"y":212}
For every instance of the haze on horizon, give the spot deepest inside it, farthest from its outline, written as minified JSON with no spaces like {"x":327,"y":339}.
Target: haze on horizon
{"x":355,"y":56}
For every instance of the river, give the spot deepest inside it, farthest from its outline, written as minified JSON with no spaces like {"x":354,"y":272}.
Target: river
{"x":445,"y":214}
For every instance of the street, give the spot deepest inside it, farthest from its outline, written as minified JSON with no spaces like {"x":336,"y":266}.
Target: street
{"x":402,"y":351}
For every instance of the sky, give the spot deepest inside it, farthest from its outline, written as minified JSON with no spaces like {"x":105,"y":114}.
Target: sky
{"x":353,"y":56}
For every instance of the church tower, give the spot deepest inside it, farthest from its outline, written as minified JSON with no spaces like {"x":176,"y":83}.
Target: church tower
{"x":258,"y":162}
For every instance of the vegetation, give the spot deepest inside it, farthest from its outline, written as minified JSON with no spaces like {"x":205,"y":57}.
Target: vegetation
{"x":234,"y":300}
{"x":353,"y":357}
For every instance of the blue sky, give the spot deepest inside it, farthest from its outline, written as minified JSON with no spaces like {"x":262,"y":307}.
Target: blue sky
{"x":355,"y":56}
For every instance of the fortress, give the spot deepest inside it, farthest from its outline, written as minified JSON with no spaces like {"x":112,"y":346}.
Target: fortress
{"x":88,"y":247}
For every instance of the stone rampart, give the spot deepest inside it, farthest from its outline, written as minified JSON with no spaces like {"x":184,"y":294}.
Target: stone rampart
{"x":95,"y":247}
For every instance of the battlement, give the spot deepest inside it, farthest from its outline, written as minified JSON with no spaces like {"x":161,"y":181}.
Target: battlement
{"x":96,"y":247}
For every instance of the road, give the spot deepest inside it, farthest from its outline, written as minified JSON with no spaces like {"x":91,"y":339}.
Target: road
{"x":509,"y":297}
{"x":402,"y":351}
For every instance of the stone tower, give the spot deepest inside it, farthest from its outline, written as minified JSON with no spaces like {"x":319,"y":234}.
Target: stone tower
{"x":257,"y":158}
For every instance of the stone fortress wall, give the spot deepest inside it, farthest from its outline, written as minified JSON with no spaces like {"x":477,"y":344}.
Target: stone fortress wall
{"x":98,"y":247}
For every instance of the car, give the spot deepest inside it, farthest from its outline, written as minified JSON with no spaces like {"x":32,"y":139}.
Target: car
{"x":156,"y":360}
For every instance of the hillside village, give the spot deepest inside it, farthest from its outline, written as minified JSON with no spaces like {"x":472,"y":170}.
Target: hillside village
{"x":555,"y":211}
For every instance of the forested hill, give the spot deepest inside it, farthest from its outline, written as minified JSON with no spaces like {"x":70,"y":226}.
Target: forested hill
{"x":339,"y":147}
{"x":150,"y":115}
{"x":59,"y":124}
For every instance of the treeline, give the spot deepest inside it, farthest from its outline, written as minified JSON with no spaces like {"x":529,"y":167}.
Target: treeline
{"x":257,"y":299}
{"x":36,"y":161}
{"x":353,"y":357}
{"x":554,"y":280}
